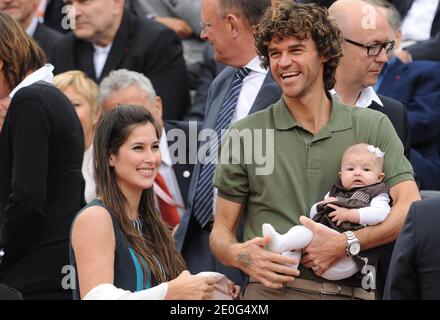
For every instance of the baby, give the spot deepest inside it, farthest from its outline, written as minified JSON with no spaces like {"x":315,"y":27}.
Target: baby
{"x":360,"y":199}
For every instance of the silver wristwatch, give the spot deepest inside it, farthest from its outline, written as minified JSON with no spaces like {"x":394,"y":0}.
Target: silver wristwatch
{"x":353,"y":245}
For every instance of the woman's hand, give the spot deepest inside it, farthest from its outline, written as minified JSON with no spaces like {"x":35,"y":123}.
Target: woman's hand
{"x":190,"y":287}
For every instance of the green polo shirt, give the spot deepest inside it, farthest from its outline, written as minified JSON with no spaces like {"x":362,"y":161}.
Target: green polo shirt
{"x":305,"y":166}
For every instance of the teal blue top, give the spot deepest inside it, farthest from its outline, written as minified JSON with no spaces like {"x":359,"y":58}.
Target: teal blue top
{"x":128,"y":274}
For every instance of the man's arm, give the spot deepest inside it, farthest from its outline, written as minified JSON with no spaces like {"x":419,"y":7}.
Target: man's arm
{"x":403,"y":194}
{"x":181,"y":27}
{"x":251,"y":257}
{"x":326,"y":247}
{"x":426,"y":50}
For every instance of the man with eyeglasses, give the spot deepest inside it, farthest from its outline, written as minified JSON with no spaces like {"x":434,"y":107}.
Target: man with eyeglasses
{"x":108,"y":36}
{"x":366,"y":49}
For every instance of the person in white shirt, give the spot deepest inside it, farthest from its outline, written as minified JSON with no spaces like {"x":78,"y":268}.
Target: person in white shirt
{"x":366,"y":49}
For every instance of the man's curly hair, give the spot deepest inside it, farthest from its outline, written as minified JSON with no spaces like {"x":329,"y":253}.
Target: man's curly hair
{"x":290,"y":19}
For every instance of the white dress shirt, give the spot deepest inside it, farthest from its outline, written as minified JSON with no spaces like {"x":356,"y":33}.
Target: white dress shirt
{"x":100,"y":55}
{"x":368,"y":95}
{"x":417,"y":23}
{"x":249,"y":90}
{"x":41,"y":9}
{"x":32,"y":27}
{"x":167,"y":172}
{"x":248,"y":93}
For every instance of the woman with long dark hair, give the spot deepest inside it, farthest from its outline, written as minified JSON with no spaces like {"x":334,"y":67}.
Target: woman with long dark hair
{"x":121,"y":248}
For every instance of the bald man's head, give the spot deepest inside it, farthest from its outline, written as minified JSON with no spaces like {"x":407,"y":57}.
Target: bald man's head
{"x":356,"y":16}
{"x":362,"y":26}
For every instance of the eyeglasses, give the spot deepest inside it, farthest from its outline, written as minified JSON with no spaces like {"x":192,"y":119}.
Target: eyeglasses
{"x":374,"y":49}
{"x":205,"y":26}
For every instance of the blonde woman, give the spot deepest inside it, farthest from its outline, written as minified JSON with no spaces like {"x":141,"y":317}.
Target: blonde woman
{"x":83,"y":93}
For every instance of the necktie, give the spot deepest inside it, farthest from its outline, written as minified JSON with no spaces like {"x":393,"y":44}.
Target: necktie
{"x":204,"y":198}
{"x":167,"y":210}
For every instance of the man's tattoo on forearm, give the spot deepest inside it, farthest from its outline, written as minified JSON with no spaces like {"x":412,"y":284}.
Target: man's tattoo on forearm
{"x":245,"y":259}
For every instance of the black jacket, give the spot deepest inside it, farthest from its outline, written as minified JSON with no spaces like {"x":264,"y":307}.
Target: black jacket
{"x":415,"y":265}
{"x":141,"y":45}
{"x":41,"y":151}
{"x":46,"y":39}
{"x":396,"y":112}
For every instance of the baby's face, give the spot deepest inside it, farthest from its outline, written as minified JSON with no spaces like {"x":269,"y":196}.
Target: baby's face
{"x":360,"y":170}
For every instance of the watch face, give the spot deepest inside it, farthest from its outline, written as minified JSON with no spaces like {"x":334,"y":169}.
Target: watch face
{"x":355,"y":248}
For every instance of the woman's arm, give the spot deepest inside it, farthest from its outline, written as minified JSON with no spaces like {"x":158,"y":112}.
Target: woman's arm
{"x":93,"y":242}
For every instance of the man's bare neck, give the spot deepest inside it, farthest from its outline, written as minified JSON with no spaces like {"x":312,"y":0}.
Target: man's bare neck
{"x":312,"y":112}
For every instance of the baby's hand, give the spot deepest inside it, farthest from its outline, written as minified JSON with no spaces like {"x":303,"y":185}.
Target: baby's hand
{"x":343,"y":214}
{"x":329,"y":199}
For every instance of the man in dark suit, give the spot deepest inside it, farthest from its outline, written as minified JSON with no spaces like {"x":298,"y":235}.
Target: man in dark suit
{"x":360,"y":67}
{"x":130,"y":87}
{"x":107,"y":37}
{"x":415,"y":265}
{"x":24,"y":12}
{"x":231,"y":35}
{"x":417,"y":86}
